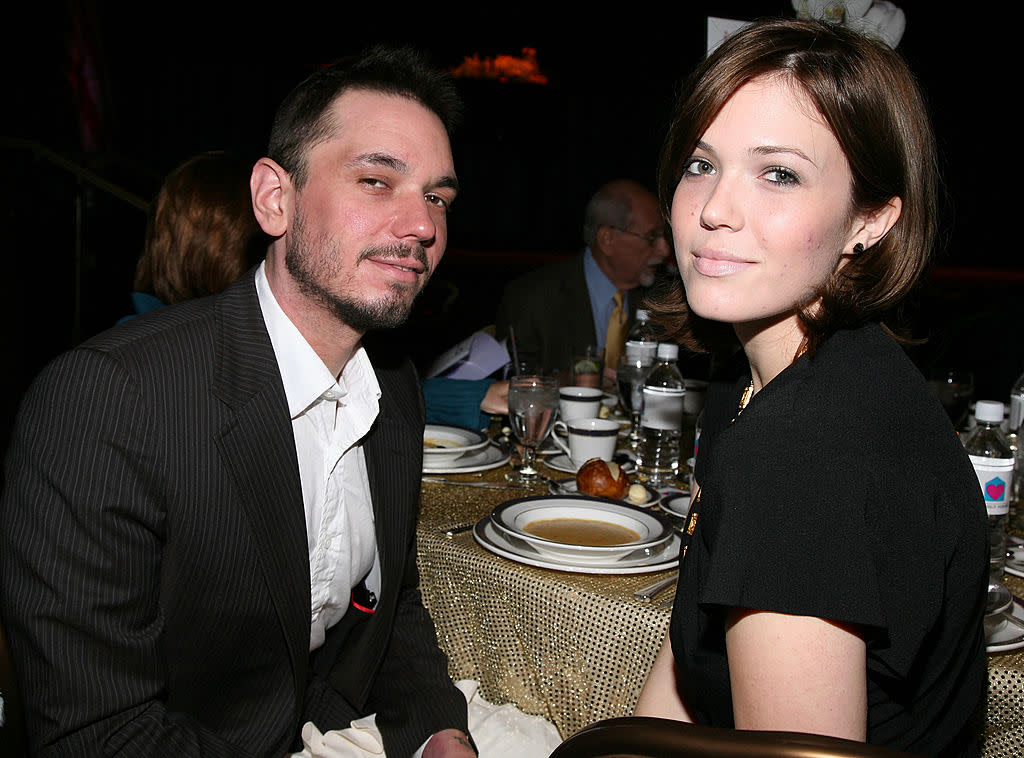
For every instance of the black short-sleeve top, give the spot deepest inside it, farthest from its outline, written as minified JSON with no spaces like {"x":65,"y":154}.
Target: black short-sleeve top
{"x":843,"y":492}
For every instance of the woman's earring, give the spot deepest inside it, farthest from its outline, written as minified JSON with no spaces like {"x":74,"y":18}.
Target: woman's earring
{"x":858,"y":248}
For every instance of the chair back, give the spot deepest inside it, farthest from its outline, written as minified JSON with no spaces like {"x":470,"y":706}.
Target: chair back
{"x":13,"y":743}
{"x":646,"y":737}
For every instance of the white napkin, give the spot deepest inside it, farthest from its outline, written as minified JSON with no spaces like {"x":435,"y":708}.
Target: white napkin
{"x":499,"y":731}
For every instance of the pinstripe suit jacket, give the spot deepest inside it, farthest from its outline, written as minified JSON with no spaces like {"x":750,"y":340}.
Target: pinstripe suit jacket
{"x":155,"y":576}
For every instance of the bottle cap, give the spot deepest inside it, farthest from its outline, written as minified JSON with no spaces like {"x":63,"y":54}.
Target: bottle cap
{"x":989,"y":411}
{"x":670,"y":350}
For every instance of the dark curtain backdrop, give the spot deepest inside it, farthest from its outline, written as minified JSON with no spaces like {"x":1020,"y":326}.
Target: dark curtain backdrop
{"x":130,"y":91}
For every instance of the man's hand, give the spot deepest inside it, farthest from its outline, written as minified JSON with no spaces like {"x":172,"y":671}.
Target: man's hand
{"x":496,"y":399}
{"x":449,"y":743}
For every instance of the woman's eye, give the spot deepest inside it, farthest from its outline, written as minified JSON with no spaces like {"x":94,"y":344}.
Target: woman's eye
{"x":699,"y":166}
{"x":778,"y":175}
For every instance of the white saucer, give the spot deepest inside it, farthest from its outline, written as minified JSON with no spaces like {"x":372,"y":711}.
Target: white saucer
{"x":1008,"y":637}
{"x":495,"y":542}
{"x":563,"y":462}
{"x":678,"y":504}
{"x":490,"y":457}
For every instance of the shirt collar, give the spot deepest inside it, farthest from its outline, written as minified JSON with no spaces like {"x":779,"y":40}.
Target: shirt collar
{"x":305,"y":376}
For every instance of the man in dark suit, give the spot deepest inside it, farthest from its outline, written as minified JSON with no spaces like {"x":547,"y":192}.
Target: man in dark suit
{"x":560,"y":309}
{"x":207,"y":537}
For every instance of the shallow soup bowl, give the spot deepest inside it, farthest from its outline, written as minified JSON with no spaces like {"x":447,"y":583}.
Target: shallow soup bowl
{"x":443,"y":445}
{"x":562,"y":527}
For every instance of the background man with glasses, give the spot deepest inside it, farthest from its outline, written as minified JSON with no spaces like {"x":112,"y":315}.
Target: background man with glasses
{"x":560,"y":309}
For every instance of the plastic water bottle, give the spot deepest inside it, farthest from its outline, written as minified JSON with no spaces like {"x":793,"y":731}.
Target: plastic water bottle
{"x":642,"y":339}
{"x":993,"y":461}
{"x":1015,"y":433}
{"x":1016,"y":405}
{"x":657,"y":454}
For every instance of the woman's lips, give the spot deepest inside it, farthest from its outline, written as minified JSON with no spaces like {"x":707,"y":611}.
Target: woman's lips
{"x":718,"y":264}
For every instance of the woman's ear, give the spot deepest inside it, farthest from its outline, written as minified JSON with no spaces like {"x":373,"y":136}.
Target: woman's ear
{"x":271,"y":190}
{"x":875,"y":225}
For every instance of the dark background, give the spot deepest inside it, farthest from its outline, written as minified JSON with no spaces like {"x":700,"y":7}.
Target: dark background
{"x":166,"y":82}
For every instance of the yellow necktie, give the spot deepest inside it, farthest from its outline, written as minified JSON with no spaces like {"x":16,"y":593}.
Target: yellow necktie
{"x":615,"y":337}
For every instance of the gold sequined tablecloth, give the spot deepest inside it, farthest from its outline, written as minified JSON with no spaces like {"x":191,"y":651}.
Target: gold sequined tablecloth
{"x":576,"y":648}
{"x":573,"y":648}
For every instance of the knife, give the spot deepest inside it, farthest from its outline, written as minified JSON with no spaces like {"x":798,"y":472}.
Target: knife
{"x":485,"y":485}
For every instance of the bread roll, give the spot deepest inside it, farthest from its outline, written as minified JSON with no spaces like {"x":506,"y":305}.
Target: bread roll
{"x":601,"y":478}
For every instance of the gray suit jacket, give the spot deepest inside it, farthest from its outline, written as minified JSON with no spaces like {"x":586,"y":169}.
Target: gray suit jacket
{"x":155,"y":577}
{"x":551,"y":313}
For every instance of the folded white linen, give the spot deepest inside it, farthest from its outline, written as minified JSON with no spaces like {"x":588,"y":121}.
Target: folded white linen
{"x":499,"y":731}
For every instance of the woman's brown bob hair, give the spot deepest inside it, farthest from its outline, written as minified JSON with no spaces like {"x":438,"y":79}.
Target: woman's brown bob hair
{"x":868,"y":97}
{"x":202,"y":232}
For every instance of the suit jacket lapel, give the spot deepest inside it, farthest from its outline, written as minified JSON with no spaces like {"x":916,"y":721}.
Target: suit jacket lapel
{"x":258,"y":452}
{"x":393,"y":449}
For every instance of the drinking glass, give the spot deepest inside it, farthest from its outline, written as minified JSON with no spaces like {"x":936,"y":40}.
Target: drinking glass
{"x":587,"y":367}
{"x":955,"y":389}
{"x":629,"y":376}
{"x":532,"y":406}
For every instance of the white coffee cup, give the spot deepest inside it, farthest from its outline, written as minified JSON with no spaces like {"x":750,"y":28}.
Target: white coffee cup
{"x":588,"y":438}
{"x":578,"y":402}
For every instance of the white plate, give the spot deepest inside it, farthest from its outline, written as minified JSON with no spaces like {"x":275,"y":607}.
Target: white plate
{"x":513,"y":516}
{"x":678,"y":504}
{"x":568,"y":487}
{"x":563,"y":462}
{"x":1015,"y":567}
{"x":494,"y":541}
{"x":609,"y":400}
{"x":490,"y":457}
{"x":1007,"y":637}
{"x":457,"y":441}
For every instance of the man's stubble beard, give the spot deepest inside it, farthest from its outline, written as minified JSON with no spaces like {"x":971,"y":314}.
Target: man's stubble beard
{"x":312,"y":266}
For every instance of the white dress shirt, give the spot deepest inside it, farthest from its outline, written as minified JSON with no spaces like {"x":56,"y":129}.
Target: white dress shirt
{"x":329,"y":418}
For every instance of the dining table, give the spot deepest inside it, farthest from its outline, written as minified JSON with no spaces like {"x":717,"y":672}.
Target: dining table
{"x":573,"y":647}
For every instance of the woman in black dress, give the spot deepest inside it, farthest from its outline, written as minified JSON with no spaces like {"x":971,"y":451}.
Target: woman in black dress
{"x":833,"y":575}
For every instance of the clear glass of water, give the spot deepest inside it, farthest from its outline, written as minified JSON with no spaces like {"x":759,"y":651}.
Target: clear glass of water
{"x":629,"y":376}
{"x":532,"y":407}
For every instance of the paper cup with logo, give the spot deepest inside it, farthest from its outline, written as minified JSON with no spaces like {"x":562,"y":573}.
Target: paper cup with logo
{"x":579,"y":402}
{"x":588,"y":438}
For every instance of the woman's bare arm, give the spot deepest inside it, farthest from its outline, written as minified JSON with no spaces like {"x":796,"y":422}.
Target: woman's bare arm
{"x":660,"y":695}
{"x":797,"y":673}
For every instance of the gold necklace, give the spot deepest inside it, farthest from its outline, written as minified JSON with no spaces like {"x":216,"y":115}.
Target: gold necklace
{"x":748,"y":392}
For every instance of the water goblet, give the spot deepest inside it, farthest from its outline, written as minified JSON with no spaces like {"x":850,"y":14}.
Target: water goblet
{"x":532,"y":406}
{"x":629,"y":377}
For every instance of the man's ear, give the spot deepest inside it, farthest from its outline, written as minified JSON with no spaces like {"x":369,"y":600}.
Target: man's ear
{"x":605,"y":236}
{"x":875,"y":225}
{"x":272,"y":196}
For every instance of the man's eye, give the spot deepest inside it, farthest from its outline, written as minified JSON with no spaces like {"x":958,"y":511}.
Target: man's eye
{"x":779,"y":175}
{"x":373,"y":183}
{"x":699,"y":167}
{"x":438,"y":201}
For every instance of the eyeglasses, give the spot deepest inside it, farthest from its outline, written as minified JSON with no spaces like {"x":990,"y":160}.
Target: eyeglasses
{"x":650,"y":239}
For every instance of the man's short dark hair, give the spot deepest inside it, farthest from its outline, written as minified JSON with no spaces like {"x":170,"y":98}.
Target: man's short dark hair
{"x":304,"y":118}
